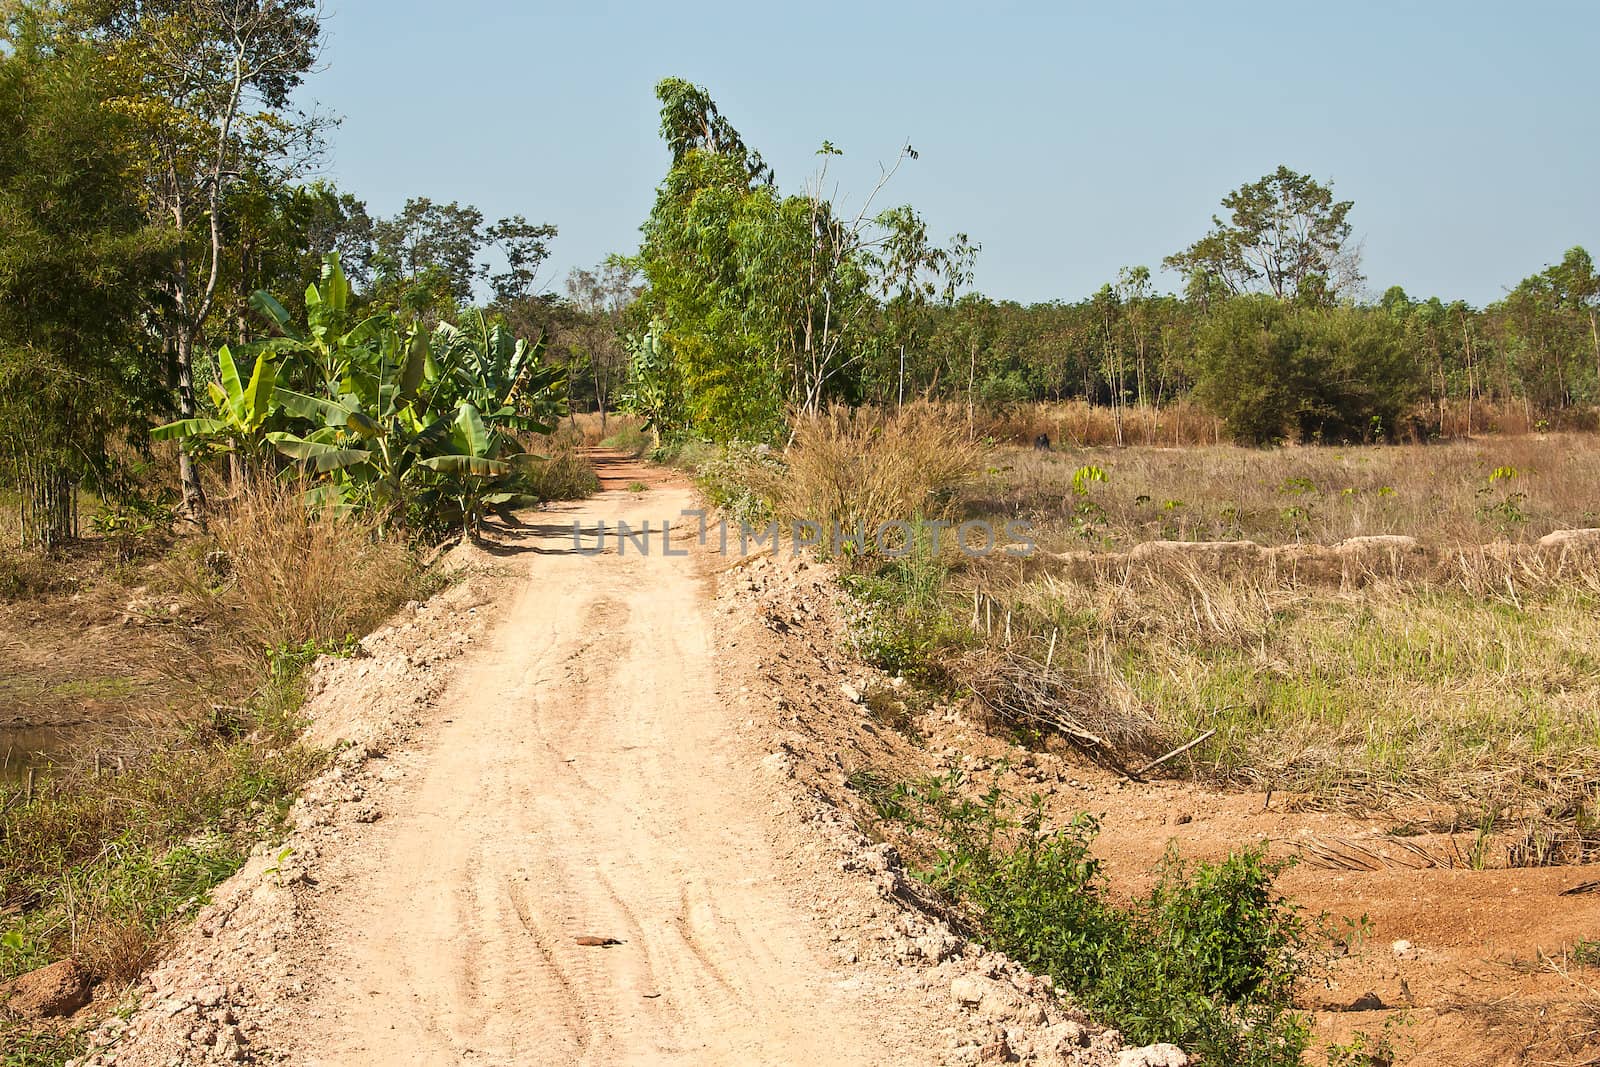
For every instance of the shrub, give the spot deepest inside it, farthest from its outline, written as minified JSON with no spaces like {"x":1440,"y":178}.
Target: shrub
{"x":739,"y":481}
{"x":860,"y":469}
{"x":1207,"y":960}
{"x":564,"y":473}
{"x":907,"y":627}
{"x":1271,"y":370}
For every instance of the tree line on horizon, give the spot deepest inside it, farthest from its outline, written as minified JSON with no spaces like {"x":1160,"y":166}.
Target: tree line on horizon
{"x":757,"y":305}
{"x":150,"y":186}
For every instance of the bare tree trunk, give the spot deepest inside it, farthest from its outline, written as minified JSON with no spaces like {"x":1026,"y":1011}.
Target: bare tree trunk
{"x":972,"y":378}
{"x":194,"y":496}
{"x":900,"y":399}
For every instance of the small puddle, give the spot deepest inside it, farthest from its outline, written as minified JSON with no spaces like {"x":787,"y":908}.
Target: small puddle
{"x":22,"y":747}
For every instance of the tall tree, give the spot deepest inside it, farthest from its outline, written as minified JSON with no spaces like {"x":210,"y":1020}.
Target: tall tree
{"x":525,"y":246}
{"x":210,"y":82}
{"x":602,"y":297}
{"x":79,"y":262}
{"x":691,"y":122}
{"x":1285,"y":235}
{"x":426,"y":257}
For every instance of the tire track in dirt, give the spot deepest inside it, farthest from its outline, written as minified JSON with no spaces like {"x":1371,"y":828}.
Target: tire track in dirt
{"x":580,"y":782}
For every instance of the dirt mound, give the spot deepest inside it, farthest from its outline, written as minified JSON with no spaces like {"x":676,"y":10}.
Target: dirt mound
{"x":57,"y":990}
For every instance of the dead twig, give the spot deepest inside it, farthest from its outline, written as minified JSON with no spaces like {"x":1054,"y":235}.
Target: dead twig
{"x":1180,"y":750}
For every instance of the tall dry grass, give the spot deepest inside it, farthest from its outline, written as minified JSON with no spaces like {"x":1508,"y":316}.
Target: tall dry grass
{"x":1079,"y":424}
{"x":564,"y":473}
{"x":859,"y":469}
{"x":283,"y":576}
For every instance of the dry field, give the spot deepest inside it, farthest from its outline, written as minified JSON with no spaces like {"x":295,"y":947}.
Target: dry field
{"x":1458,"y":670}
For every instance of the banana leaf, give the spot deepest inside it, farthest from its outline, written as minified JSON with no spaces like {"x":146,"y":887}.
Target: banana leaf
{"x":473,"y":465}
{"x":320,"y":457}
{"x":186,"y":428}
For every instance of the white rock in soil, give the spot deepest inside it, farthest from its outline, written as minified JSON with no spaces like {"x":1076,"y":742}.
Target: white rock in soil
{"x":1153,"y":1056}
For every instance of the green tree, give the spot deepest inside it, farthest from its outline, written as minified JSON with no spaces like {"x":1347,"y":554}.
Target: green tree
{"x":1285,"y":234}
{"x":78,"y":265}
{"x":691,"y":122}
{"x":208,"y":82}
{"x":1271,"y":370}
{"x":426,"y":257}
{"x":601,"y":298}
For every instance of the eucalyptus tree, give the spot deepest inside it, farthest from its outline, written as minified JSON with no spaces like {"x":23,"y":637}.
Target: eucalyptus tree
{"x":766,"y":303}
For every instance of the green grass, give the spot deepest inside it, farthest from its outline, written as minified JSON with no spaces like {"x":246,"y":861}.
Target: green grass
{"x":21,"y":1046}
{"x":101,"y":866}
{"x":630,"y":439}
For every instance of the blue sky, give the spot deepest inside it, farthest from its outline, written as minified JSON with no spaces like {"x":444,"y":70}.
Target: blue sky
{"x":1068,"y":139}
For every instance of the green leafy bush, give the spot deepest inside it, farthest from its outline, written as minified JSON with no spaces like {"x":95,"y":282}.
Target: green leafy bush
{"x":1208,"y":959}
{"x":1272,"y":370}
{"x":906,"y":626}
{"x":417,"y":428}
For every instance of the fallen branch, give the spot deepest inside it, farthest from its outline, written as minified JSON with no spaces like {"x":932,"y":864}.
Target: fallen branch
{"x":1180,"y":750}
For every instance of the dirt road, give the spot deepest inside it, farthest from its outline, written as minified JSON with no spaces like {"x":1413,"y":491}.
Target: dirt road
{"x":581,"y":782}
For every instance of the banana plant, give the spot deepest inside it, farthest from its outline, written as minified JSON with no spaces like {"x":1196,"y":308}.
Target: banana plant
{"x":484,"y":469}
{"x":415,"y":426}
{"x":503,"y":376}
{"x":329,"y":350}
{"x":242,"y":409}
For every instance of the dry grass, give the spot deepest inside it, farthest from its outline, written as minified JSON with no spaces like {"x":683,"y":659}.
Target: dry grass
{"x":1078,"y":424}
{"x":855,"y":470}
{"x":621,"y":431}
{"x":1446,"y":494}
{"x":1459,"y":673}
{"x":1474,"y":689}
{"x":565,"y":473}
{"x":283,"y":577}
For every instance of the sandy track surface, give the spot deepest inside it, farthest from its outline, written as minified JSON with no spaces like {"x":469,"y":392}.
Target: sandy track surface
{"x":582,"y":783}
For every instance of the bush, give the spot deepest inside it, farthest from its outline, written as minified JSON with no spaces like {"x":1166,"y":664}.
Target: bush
{"x":738,"y":481}
{"x":287,"y":576}
{"x":859,"y":469}
{"x":1271,"y":370}
{"x":1208,"y":959}
{"x":907,"y":626}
